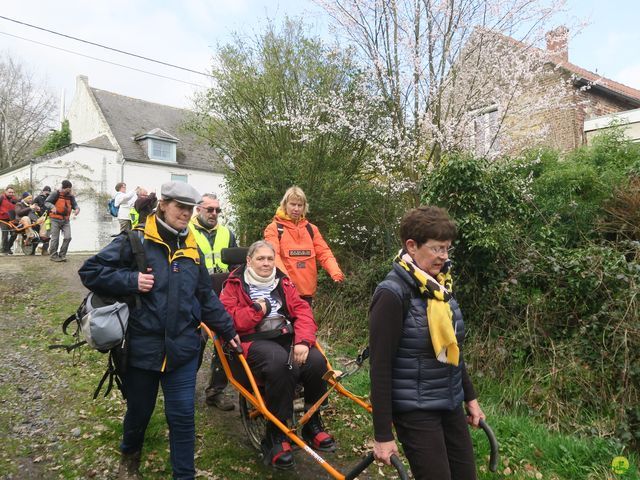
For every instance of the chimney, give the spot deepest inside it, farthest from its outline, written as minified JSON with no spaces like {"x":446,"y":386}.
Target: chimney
{"x":558,"y":43}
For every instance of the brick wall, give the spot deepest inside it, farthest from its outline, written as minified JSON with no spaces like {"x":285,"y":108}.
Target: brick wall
{"x":563,"y":122}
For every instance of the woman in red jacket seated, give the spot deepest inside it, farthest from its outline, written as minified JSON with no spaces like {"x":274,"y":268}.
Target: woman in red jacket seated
{"x":278,"y":333}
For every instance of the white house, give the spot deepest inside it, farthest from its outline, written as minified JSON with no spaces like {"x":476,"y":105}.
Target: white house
{"x":117,"y":138}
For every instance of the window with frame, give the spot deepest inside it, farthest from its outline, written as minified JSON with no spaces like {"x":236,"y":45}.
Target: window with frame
{"x":162,"y":150}
{"x":485,"y":130}
{"x":175,"y":177}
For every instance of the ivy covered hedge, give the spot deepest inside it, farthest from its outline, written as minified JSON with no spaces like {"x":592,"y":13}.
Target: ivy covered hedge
{"x":548,"y":275}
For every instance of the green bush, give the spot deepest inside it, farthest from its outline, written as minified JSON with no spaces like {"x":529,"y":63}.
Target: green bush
{"x":489,"y":203}
{"x":570,"y":192}
{"x":56,"y":140}
{"x":548,"y":277}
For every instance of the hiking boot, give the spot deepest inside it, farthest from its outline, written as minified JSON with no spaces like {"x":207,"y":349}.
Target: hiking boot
{"x":129,"y":468}
{"x":56,"y":258}
{"x":276,"y":449}
{"x":316,"y":437}
{"x":63,"y":258}
{"x":218,"y":400}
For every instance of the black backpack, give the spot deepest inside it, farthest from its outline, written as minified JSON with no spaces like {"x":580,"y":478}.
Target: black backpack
{"x":117,"y":358}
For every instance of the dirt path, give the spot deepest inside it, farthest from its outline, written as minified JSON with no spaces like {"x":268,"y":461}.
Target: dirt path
{"x":39,"y":411}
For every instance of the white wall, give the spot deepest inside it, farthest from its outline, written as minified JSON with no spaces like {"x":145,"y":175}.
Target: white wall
{"x":628,"y":120}
{"x":85,"y":120}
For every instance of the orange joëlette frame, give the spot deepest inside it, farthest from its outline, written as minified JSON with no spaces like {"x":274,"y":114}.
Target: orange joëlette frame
{"x":18,"y":229}
{"x":256,"y":400}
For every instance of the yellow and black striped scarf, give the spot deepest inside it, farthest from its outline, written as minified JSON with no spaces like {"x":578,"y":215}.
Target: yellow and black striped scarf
{"x":437,"y":291}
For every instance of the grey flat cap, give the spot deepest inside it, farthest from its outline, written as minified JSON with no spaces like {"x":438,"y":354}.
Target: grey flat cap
{"x":180,"y":192}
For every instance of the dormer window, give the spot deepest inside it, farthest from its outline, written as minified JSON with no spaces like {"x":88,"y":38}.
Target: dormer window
{"x":162,"y":150}
{"x":159,"y":145}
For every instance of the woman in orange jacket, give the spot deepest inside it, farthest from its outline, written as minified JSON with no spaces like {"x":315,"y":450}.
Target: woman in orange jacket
{"x":298,"y":244}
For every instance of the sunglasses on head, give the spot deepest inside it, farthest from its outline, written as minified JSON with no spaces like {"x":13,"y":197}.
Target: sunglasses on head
{"x":213,"y":209}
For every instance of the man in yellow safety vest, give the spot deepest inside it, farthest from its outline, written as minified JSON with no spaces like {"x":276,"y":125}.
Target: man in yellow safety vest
{"x":211,"y":238}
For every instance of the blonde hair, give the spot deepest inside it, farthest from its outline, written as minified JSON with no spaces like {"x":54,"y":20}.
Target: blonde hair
{"x":295,"y":193}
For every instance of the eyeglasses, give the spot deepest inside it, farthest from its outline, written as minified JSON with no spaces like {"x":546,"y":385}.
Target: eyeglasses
{"x":441,"y":250}
{"x":213,"y":209}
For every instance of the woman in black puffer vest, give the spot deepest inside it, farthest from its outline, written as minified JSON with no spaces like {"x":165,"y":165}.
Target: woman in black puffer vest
{"x":418,"y":377}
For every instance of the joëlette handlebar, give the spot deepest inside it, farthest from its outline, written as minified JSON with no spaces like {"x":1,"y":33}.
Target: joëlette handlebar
{"x":493,"y":443}
{"x":368,"y":460}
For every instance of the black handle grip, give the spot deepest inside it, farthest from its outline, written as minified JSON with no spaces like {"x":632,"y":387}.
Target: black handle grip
{"x":396,"y":462}
{"x":495,"y":447}
{"x":360,"y":467}
{"x":228,"y":348}
{"x":368,"y":460}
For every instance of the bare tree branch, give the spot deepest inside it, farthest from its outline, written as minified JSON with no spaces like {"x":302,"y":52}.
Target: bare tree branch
{"x":26,"y":112}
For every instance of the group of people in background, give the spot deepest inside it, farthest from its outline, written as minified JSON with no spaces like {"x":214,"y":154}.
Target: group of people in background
{"x":418,"y":376}
{"x":41,"y":220}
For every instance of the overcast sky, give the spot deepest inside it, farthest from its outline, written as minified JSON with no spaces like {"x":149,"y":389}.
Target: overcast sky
{"x":186,"y":32}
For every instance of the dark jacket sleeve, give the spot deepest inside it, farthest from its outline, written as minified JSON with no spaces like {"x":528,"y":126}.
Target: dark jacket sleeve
{"x":214,"y":315}
{"x":385,"y":331}
{"x":467,"y":385}
{"x":22,"y":210}
{"x":51,"y":200}
{"x":74,"y":204}
{"x":105,"y":273}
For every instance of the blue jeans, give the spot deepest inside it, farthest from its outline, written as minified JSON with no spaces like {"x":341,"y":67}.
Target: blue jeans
{"x":178,"y":387}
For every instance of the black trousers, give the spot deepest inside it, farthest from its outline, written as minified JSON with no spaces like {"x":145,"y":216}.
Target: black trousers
{"x":437,"y":444}
{"x":268,"y":362}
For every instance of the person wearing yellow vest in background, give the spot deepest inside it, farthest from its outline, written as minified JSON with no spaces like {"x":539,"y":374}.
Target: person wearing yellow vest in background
{"x":211,"y":238}
{"x":45,"y":230}
{"x":142,"y":207}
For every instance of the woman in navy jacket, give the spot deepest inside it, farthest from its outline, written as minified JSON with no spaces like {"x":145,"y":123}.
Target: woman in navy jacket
{"x":164,"y":327}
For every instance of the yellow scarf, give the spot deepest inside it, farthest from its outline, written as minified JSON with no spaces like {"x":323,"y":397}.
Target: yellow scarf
{"x":437,"y":291}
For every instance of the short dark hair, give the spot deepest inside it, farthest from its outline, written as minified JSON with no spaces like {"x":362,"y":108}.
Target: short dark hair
{"x":66,"y":184}
{"x":119,"y":186}
{"x":425,"y":223}
{"x":46,"y":188}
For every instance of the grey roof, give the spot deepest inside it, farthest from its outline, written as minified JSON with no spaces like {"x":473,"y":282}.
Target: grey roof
{"x":102,"y":142}
{"x":158,"y":132}
{"x":130,"y":117}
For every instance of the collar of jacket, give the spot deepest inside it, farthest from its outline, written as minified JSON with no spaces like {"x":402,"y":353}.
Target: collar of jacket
{"x":238,"y":273}
{"x":237,"y":276}
{"x":196,"y":223}
{"x":282,"y":217}
{"x":190,"y":249}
